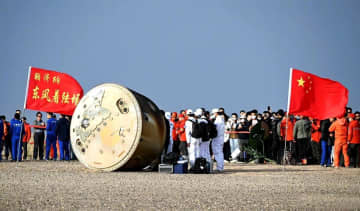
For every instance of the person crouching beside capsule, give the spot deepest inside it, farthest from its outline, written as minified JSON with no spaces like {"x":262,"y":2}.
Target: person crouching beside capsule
{"x":340,"y":127}
{"x":50,"y":136}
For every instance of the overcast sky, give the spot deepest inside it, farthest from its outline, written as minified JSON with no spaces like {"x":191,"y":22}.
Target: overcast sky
{"x":182,"y":54}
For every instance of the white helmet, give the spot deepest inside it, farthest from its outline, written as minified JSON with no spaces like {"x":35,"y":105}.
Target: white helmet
{"x":167,"y":115}
{"x":214,"y":110}
{"x":199,"y":112}
{"x":189,"y":111}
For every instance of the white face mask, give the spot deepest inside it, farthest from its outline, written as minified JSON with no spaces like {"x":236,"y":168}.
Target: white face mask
{"x":253,"y":117}
{"x":233,"y":118}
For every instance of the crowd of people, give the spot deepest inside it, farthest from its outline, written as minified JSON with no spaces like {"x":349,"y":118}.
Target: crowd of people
{"x":15,"y":135}
{"x":265,"y":137}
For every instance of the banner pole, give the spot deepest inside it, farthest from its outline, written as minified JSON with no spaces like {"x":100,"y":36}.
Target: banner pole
{"x":27,"y":87}
{"x":22,"y":122}
{"x":287,"y":117}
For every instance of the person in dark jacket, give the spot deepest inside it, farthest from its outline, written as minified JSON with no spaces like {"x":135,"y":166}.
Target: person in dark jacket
{"x":63,"y":135}
{"x":302,"y":135}
{"x":275,"y":124}
{"x":325,"y":146}
{"x":243,"y":137}
{"x":268,"y":141}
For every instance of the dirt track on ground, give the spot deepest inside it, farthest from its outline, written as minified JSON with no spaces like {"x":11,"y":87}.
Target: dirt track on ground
{"x":36,"y":185}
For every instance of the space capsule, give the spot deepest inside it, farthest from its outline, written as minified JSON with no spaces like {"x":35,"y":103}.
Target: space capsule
{"x":115,"y":128}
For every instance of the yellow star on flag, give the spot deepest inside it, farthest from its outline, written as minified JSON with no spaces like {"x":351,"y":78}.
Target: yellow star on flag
{"x":301,"y":82}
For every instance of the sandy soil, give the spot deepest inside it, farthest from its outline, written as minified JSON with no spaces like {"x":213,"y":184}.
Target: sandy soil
{"x":55,"y":185}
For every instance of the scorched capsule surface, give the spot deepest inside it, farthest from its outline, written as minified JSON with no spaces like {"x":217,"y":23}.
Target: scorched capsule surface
{"x":116,"y":128}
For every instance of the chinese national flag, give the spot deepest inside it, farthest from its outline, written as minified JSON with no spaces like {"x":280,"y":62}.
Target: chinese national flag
{"x":316,"y":97}
{"x":51,"y":91}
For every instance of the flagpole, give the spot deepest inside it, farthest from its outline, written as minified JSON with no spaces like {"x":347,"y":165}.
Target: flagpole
{"x":287,"y":114}
{"x":27,"y":87}
{"x":22,"y":122}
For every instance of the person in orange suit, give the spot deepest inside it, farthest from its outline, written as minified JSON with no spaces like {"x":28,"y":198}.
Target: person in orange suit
{"x":182,"y":135}
{"x":288,"y":134}
{"x":290,"y":129}
{"x":340,"y":127}
{"x":26,"y":138}
{"x":183,"y":112}
{"x":354,"y":140}
{"x":315,"y":140}
{"x":175,"y":125}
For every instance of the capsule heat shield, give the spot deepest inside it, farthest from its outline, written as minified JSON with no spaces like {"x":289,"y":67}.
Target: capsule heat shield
{"x":116,"y":128}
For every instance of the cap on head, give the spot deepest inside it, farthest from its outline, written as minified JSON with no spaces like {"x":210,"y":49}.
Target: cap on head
{"x":214,"y":110}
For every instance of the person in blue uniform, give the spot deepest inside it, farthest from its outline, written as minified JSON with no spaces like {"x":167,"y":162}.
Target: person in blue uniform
{"x":16,"y":131}
{"x":50,"y":136}
{"x":63,"y":134}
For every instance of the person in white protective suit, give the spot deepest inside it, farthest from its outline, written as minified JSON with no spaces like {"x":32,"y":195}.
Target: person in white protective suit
{"x":193,"y":143}
{"x":171,"y":124}
{"x":218,"y":142}
{"x":204,"y":145}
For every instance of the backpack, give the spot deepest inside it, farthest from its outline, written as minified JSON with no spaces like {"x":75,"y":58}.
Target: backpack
{"x":196,"y":129}
{"x":201,"y":166}
{"x":212,"y":130}
{"x":171,"y":158}
{"x":205,"y":130}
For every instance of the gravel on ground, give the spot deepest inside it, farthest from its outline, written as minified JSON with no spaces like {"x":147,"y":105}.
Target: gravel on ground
{"x":56,"y":185}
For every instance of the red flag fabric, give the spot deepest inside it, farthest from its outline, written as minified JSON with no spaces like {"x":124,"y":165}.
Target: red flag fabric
{"x":316,"y":97}
{"x":52,"y":91}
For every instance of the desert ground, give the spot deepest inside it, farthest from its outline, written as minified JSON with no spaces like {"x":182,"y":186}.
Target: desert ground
{"x":61,"y":185}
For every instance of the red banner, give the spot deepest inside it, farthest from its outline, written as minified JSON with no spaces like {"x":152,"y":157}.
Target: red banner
{"x":52,"y":91}
{"x":316,"y":97}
